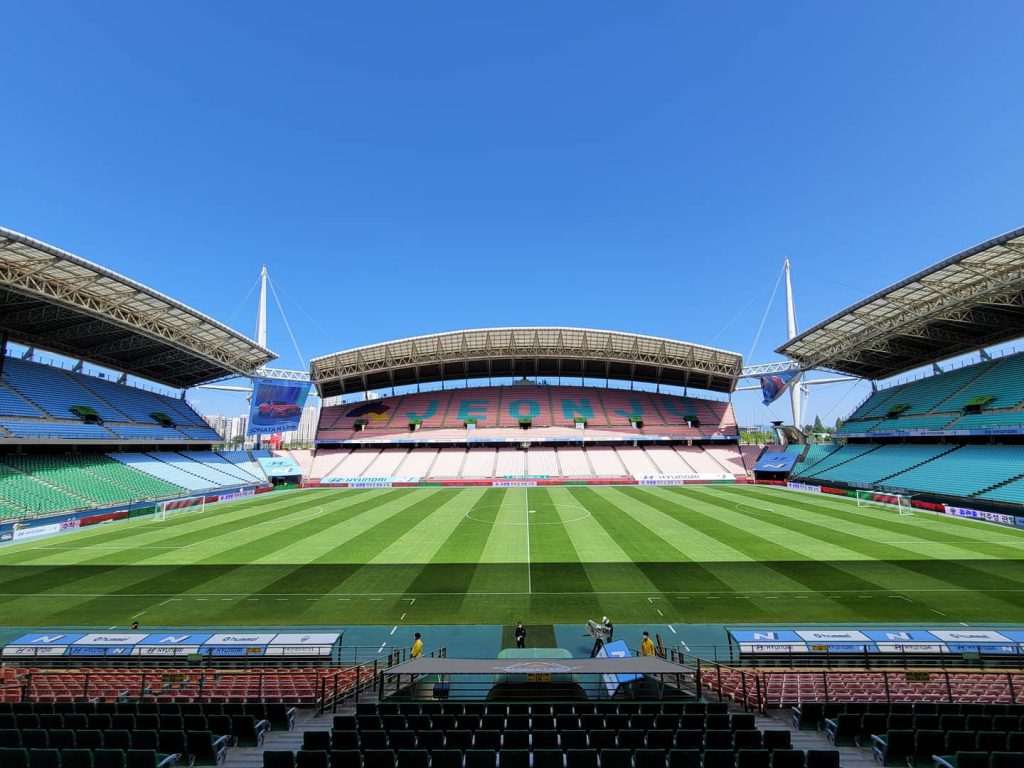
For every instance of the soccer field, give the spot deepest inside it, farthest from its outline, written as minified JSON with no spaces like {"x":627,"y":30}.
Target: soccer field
{"x":711,"y":553}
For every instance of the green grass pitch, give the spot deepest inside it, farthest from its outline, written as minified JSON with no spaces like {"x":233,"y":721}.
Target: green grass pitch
{"x":712,"y":553}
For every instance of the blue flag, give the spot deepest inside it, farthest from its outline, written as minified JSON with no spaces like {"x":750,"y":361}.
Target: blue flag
{"x":774,"y":384}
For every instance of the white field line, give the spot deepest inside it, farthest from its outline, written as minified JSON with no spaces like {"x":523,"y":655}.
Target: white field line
{"x":382,"y":595}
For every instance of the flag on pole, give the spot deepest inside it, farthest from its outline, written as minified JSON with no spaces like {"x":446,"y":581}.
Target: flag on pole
{"x":774,"y":384}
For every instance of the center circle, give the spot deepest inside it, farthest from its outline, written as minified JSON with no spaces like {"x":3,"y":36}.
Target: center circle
{"x":481,"y":515}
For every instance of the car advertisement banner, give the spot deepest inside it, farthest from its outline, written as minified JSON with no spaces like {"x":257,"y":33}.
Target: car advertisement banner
{"x":276,"y":405}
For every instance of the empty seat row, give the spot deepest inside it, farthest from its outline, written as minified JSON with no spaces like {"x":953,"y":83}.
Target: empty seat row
{"x":812,"y":714}
{"x":845,"y":729}
{"x":895,"y":747}
{"x":718,"y":722}
{"x":83,"y":758}
{"x":980,"y":760}
{"x":523,"y":739}
{"x":669,"y":707}
{"x":275,"y":713}
{"x":545,"y":758}
{"x":163,"y":741}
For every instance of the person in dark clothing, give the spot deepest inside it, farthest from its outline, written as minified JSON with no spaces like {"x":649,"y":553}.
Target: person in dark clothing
{"x":520,"y":635}
{"x":135,"y":625}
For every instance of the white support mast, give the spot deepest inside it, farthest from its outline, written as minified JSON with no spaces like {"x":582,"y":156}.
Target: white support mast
{"x":261,"y":313}
{"x":794,"y":388}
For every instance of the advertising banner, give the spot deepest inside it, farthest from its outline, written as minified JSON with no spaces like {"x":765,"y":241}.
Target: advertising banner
{"x":279,"y":466}
{"x":878,"y":640}
{"x":776,"y":462}
{"x":680,"y":479}
{"x":276,"y":405}
{"x":804,"y":487}
{"x":977,"y":514}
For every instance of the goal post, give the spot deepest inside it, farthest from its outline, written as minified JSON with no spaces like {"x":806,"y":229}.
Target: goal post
{"x":885,"y":500}
{"x":191,"y":504}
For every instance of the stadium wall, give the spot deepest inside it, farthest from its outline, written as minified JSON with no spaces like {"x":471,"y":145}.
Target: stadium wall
{"x":974,"y":509}
{"x":49,"y":525}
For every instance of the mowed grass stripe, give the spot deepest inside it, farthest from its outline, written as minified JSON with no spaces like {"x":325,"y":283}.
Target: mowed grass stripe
{"x":926,"y":531}
{"x":767,"y":572}
{"x":457,"y":566}
{"x":555,"y":563}
{"x":906,"y":555}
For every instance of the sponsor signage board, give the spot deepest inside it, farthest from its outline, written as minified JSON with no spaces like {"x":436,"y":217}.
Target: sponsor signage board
{"x":879,"y":640}
{"x":223,"y":643}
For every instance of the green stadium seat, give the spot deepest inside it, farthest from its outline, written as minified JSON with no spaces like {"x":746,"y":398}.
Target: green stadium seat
{"x":689,"y":740}
{"x":317,"y":740}
{"x":808,"y":716}
{"x":248,"y":731}
{"x":487,"y":758}
{"x":430,"y":740}
{"x":109,"y":758}
{"x":51,"y":721}
{"x":542,"y":723}
{"x":461,"y":740}
{"x":991,"y":741}
{"x":630,"y":738}
{"x":413,"y":758}
{"x":659,"y":739}
{"x":62,"y":738}
{"x":603,"y":739}
{"x":378,"y":758}
{"x":346,"y":758}
{"x":34,"y":738}
{"x":616,"y":758}
{"x":822,"y":758}
{"x":717,"y":740}
{"x":747,"y":739}
{"x":544,"y":740}
{"x":345,"y":722}
{"x":996,"y":759}
{"x":99,"y":722}
{"x":278,"y":758}
{"x":753,"y":758}
{"x":312,"y":758}
{"x":403,"y":739}
{"x":960,"y":741}
{"x":487,"y":740}
{"x":123,"y":722}
{"x":718,"y":758}
{"x":10,"y":738}
{"x":344,"y":739}
{"x":581,"y":758}
{"x":13,"y":757}
{"x":649,"y":758}
{"x":776,"y":738}
{"x":443,"y":758}
{"x":373,"y":740}
{"x":684,"y":758}
{"x":44,"y":758}
{"x":742,"y":721}
{"x":788,"y":758}
{"x":548,"y":758}
{"x":206,"y":749}
{"x":89,"y":738}
{"x":146,"y":740}
{"x":574,"y":740}
{"x":894,"y":748}
{"x":76,"y":758}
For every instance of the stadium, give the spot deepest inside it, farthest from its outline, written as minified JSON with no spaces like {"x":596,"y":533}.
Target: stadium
{"x":810,"y":602}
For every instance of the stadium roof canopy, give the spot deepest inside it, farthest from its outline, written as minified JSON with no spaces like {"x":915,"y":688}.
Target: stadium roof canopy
{"x":971,"y":300}
{"x":55,"y":300}
{"x":502,"y":352}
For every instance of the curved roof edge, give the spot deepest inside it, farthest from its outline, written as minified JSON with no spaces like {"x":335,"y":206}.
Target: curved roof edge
{"x":53,"y":299}
{"x":967,"y":301}
{"x":525,"y":351}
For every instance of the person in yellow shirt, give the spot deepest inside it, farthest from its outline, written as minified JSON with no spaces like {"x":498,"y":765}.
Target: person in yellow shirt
{"x":646,"y":646}
{"x":417,"y":647}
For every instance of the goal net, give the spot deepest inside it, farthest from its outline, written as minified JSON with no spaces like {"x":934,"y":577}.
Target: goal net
{"x":192,"y":505}
{"x":892,"y":501}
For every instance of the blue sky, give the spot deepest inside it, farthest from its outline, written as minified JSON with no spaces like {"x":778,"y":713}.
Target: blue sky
{"x":404,"y":167}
